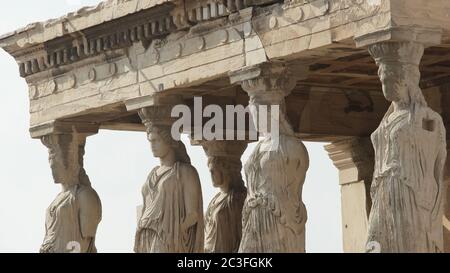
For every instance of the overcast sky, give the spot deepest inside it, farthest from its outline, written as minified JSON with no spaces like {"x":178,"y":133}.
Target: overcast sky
{"x":117,"y":163}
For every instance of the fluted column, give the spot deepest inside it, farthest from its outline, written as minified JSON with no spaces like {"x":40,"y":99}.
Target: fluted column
{"x":354,"y":159}
{"x":223,"y":220}
{"x":274,"y":215}
{"x":410,"y":153}
{"x":72,"y":218}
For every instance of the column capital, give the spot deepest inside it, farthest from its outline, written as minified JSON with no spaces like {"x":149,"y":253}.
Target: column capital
{"x":156,"y":115}
{"x":64,"y":127}
{"x":397,"y":52}
{"x":224,"y":148}
{"x":268,"y":82}
{"x":155,"y":109}
{"x":354,"y":159}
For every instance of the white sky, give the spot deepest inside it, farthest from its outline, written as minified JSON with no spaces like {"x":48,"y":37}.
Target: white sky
{"x":116,"y":162}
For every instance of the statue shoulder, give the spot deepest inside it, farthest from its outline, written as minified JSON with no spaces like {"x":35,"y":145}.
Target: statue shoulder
{"x":293,"y":144}
{"x":90,"y":211}
{"x":88,"y":196}
{"x":428,"y":112}
{"x":189,"y":175}
{"x":188,"y":169}
{"x":295,"y":149}
{"x":150,"y":174}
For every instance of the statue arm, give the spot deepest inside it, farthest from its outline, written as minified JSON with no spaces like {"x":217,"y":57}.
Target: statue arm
{"x":90,"y":213}
{"x":439,"y":176}
{"x":143,"y":220}
{"x":439,"y":167}
{"x":193,"y":198}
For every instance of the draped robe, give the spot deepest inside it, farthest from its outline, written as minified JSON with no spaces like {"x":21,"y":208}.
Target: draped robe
{"x":274,"y":215}
{"x":407,"y":211}
{"x":223,"y":222}
{"x":72,"y":211}
{"x":160,"y":227}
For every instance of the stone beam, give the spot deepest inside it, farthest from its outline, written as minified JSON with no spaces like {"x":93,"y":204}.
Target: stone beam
{"x":70,"y":75}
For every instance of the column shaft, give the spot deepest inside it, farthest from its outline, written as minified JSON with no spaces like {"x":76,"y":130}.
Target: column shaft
{"x":354,"y":159}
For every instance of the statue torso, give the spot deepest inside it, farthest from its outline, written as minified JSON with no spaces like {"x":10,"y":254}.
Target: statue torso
{"x":275,"y":180}
{"x":223,"y":222}
{"x":63,"y":223}
{"x":407,"y":149}
{"x":164,"y":212}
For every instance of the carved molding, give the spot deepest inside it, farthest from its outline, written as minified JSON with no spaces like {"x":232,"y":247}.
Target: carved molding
{"x":353,"y":153}
{"x":142,"y":26}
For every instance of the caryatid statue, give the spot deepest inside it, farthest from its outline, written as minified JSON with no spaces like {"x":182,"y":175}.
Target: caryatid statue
{"x":274,"y":215}
{"x":410,"y":152}
{"x":73,"y":217}
{"x":223,"y":219}
{"x":172,"y":213}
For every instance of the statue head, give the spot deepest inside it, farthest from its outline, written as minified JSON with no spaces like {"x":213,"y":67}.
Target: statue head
{"x":162,"y":143}
{"x":269,"y":114}
{"x":224,"y":163}
{"x":399,"y":71}
{"x":159,"y":142}
{"x":66,"y":152}
{"x":225,"y":173}
{"x":158,"y":122}
{"x":394,"y":81}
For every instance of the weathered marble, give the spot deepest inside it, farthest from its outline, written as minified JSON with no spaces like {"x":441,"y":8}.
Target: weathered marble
{"x":73,"y":217}
{"x":172,"y":213}
{"x":223,"y":219}
{"x":354,"y":158}
{"x":97,"y":66}
{"x":274,"y":215}
{"x":410,"y":153}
